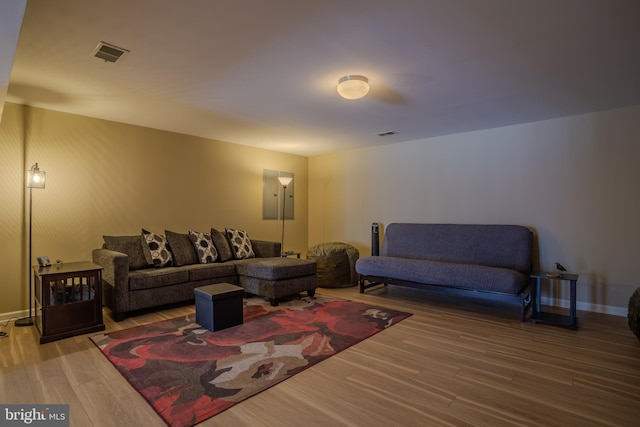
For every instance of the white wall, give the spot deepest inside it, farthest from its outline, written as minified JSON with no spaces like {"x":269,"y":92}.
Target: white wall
{"x":574,"y":181}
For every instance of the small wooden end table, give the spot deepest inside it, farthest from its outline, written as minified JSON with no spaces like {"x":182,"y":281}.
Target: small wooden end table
{"x":68,"y":300}
{"x":570,"y":321}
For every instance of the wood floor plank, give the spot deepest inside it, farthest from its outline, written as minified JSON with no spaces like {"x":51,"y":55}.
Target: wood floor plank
{"x":456,"y":361}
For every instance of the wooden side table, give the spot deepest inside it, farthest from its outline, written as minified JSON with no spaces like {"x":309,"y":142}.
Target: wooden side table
{"x":570,"y":321}
{"x":289,"y":254}
{"x":68,"y":300}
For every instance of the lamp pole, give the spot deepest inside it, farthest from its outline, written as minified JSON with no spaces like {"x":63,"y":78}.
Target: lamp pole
{"x":28,"y":321}
{"x":284,"y":180}
{"x":35,"y":179}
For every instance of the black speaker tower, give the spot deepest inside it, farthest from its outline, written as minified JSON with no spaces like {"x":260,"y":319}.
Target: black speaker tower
{"x":375,"y":239}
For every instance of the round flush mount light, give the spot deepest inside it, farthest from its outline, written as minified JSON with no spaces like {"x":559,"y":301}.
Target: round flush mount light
{"x":353,"y":87}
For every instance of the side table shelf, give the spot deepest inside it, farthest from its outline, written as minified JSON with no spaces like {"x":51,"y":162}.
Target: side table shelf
{"x":68,"y":300}
{"x":567,"y":321}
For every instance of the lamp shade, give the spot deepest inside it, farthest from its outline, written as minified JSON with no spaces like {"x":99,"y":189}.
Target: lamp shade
{"x":353,"y":87}
{"x":285,"y":180}
{"x":35,"y":177}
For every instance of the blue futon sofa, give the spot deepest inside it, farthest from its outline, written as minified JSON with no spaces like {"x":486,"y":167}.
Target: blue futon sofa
{"x":473,"y":257}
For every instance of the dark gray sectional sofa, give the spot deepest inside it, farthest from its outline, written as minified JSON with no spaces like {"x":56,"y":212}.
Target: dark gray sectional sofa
{"x":473,"y":257}
{"x":131,"y":282}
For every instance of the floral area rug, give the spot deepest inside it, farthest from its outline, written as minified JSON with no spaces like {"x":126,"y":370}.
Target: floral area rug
{"x":189,"y":374}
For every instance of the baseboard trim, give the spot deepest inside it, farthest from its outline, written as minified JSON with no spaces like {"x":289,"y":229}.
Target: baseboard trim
{"x":4,"y":317}
{"x":585,"y":306}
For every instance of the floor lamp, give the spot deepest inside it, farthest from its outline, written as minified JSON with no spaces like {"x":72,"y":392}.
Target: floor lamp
{"x":284,"y":180}
{"x":35,"y":179}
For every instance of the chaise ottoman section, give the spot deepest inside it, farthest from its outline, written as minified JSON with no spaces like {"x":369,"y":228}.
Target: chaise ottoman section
{"x":275,"y":278}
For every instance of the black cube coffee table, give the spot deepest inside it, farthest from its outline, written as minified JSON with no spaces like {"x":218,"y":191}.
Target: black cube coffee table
{"x":219,"y":306}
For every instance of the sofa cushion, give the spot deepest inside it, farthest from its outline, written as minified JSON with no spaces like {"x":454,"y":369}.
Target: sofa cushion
{"x":157,"y":250}
{"x":211,"y":271}
{"x":465,"y":276}
{"x":156,"y":278}
{"x":240,"y":243}
{"x":203,"y":245}
{"x":181,"y":248}
{"x":129,"y":245}
{"x":276,"y":268}
{"x":222,"y":245}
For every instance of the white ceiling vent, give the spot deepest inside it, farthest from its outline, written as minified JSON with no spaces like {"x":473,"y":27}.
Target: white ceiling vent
{"x":109,"y":53}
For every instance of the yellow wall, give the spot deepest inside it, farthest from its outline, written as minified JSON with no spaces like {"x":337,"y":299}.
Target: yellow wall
{"x":573,"y":180}
{"x":12,"y":215}
{"x":112,"y":178}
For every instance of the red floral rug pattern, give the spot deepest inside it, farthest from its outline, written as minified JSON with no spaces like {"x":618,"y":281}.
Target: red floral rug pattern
{"x":189,"y":374}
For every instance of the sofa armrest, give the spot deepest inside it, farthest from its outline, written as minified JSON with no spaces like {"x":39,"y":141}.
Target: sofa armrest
{"x":266,"y":249}
{"x":115,"y":279}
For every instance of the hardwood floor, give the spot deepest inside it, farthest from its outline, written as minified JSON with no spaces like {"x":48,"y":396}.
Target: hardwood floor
{"x":457,"y":361}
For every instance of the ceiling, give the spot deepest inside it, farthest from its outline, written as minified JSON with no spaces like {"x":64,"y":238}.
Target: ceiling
{"x":264,"y":73}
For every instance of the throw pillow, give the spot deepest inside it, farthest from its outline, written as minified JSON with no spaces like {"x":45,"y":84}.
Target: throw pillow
{"x":221,"y":243}
{"x":129,"y":245}
{"x":204,"y":246}
{"x":156,"y":244}
{"x":181,"y":248}
{"x":240,"y":243}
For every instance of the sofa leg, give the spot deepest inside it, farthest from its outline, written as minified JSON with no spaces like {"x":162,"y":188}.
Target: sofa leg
{"x":371,"y":284}
{"x":274,"y":302}
{"x":119,"y":317}
{"x":311,"y":292}
{"x":526,"y":303}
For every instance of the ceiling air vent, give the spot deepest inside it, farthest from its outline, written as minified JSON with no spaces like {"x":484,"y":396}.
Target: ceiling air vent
{"x":389,"y":133}
{"x":109,"y":53}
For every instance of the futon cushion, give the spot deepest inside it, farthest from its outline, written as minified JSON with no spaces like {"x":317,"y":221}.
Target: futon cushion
{"x":503,"y":246}
{"x":465,"y":276}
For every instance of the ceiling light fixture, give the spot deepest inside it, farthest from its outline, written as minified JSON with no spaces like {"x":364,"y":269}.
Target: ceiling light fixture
{"x":353,"y":87}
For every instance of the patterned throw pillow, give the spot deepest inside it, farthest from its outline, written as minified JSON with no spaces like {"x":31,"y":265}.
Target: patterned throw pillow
{"x":158,"y":249}
{"x":240,"y":243}
{"x":204,"y":246}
